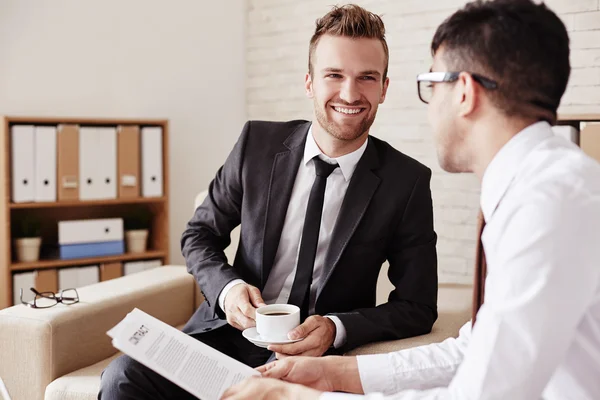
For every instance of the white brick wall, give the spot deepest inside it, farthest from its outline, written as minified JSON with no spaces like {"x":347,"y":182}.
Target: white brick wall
{"x":277,"y":46}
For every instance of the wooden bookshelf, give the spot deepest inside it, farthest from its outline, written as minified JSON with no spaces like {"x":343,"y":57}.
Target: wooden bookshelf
{"x":49,"y":213}
{"x":88,"y":203}
{"x":588,"y":127}
{"x":578,"y":118}
{"x":42,"y":264}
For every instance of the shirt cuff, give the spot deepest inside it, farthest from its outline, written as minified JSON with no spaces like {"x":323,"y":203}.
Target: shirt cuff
{"x":340,"y":331}
{"x":225,"y":290}
{"x":376,"y":373}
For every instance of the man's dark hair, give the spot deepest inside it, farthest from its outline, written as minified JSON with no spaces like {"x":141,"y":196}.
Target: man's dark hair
{"x":522,"y":45}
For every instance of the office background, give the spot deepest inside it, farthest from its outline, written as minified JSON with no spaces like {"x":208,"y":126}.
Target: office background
{"x":208,"y":66}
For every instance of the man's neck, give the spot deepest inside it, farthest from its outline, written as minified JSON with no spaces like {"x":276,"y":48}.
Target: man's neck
{"x":488,"y":137}
{"x":333,"y":147}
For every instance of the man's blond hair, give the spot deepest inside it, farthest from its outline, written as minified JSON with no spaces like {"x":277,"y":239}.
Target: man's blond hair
{"x":351,"y":21}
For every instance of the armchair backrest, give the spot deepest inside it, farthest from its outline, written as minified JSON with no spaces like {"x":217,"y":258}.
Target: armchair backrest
{"x":235,"y":234}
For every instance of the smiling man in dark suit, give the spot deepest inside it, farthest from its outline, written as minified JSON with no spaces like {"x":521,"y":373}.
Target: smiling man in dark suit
{"x":322,"y":205}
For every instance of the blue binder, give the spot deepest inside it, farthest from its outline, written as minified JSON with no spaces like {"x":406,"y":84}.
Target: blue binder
{"x":86,"y":250}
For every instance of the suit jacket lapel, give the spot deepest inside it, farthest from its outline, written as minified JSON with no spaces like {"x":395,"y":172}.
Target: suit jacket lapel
{"x":283,"y":176}
{"x":362,"y":186}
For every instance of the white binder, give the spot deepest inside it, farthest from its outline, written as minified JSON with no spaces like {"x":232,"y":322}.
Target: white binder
{"x":97,"y":163}
{"x":107,"y":150}
{"x":90,"y":231}
{"x":88,"y":275}
{"x":23,"y":280}
{"x":68,"y":278}
{"x":152,"y":264}
{"x":76,"y":277}
{"x":152,"y":165}
{"x":88,"y":159}
{"x":45,"y":163}
{"x":22,"y":151}
{"x":133,"y":267}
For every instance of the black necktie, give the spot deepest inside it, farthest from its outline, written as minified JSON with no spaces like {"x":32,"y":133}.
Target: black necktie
{"x":300,"y":294}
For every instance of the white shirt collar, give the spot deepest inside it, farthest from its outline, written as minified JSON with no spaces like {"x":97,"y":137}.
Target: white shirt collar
{"x":506,"y":163}
{"x":347,"y":162}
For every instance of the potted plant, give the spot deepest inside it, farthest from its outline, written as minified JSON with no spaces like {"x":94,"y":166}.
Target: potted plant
{"x":137,"y":225}
{"x":28,"y":238}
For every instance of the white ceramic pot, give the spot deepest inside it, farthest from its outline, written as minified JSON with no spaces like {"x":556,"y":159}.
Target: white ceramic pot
{"x":28,"y":249}
{"x":136,"y":240}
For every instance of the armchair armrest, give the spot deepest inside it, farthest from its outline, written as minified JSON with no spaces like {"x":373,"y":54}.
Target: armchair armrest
{"x":40,"y":345}
{"x":454,"y":310}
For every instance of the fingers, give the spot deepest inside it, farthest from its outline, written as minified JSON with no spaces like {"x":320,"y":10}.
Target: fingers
{"x":263,"y":368}
{"x":297,"y":348}
{"x":277,"y":369}
{"x":238,"y":320}
{"x":240,"y":311}
{"x":266,"y":367}
{"x":237,"y":391}
{"x":244,"y":321}
{"x":255,"y":297}
{"x":246,"y":389}
{"x":248,"y":310}
{"x":232,"y":320}
{"x":309,"y":346}
{"x":303,"y":330}
{"x":230,"y":393}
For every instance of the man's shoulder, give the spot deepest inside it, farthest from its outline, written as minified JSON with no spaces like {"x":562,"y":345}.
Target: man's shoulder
{"x":277,"y":128}
{"x":556,"y":160}
{"x":394,"y":160}
{"x":560,"y":173}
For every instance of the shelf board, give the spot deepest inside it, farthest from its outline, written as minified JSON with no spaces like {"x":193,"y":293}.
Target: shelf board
{"x":83,"y":121}
{"x":41,"y":264}
{"x":578,"y":117}
{"x":88,"y":203}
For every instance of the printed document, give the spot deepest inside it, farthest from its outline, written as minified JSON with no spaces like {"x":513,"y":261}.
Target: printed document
{"x":201,"y":370}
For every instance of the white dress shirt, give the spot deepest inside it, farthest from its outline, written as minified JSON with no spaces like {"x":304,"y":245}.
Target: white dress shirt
{"x":538,"y":332}
{"x":280,"y":280}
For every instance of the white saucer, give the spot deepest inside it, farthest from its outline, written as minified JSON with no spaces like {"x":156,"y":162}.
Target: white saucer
{"x":252,"y":335}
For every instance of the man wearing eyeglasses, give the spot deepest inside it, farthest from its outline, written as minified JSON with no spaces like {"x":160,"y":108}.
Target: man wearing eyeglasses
{"x":500,"y":69}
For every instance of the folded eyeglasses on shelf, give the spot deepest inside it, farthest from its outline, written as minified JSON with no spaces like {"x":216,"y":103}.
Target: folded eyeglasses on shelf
{"x":50,"y":299}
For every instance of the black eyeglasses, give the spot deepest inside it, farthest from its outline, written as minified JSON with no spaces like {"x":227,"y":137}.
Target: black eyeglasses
{"x":50,"y":299}
{"x":425,"y":87}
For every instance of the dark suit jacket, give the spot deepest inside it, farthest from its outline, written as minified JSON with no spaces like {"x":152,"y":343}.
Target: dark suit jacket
{"x":386,"y":214}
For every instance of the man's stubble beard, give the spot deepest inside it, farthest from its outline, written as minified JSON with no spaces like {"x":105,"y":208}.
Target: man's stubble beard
{"x":342,"y":133}
{"x":451,"y":152}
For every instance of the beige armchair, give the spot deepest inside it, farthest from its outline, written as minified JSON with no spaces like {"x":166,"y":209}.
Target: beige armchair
{"x":59,"y":353}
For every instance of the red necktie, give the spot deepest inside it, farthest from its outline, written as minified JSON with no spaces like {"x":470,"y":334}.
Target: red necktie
{"x":480,"y":270}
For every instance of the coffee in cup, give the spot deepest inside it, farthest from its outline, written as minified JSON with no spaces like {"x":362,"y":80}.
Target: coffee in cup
{"x":275,"y":321}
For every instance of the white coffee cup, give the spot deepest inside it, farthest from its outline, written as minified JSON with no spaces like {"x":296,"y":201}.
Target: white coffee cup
{"x":275,"y":321}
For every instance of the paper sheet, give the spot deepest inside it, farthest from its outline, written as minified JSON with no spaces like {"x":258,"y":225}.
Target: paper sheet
{"x":201,"y":370}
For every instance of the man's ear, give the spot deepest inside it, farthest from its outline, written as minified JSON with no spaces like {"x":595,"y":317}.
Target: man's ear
{"x":308,"y":85}
{"x":386,"y":84}
{"x":468,"y":93}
